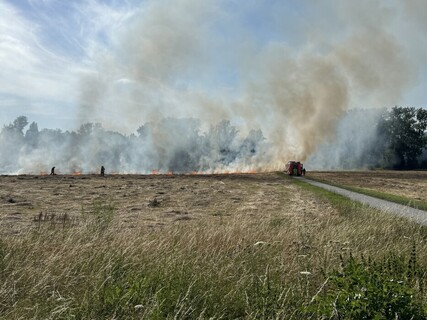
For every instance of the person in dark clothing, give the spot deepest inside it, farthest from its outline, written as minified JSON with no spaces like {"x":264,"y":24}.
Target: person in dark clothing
{"x":303,"y":171}
{"x":52,"y":171}
{"x":102,"y":171}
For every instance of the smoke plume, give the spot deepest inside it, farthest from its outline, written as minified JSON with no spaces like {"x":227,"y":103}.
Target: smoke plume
{"x":290,"y":81}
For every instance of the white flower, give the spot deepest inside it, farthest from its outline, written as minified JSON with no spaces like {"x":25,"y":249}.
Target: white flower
{"x":260,"y":243}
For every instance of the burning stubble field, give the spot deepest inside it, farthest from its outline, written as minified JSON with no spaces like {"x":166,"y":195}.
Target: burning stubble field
{"x":193,"y":247}
{"x":149,"y":202}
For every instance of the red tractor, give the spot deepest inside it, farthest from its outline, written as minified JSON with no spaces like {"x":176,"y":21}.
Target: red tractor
{"x":295,"y":168}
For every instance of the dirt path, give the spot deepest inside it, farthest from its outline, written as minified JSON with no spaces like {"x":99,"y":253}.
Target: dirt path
{"x":383,"y":205}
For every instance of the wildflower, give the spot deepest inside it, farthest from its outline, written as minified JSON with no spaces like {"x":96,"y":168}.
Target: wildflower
{"x":260,"y":243}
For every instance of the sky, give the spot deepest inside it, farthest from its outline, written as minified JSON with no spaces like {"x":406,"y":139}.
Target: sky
{"x":46,"y":48}
{"x":125,"y":62}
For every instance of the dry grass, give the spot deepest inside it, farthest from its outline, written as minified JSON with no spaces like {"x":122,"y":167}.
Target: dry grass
{"x":253,"y":247}
{"x":23,"y":198}
{"x":410,"y":184}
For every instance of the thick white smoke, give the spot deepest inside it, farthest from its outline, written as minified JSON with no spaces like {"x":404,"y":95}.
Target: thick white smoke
{"x":184,"y":148}
{"x":240,"y":61}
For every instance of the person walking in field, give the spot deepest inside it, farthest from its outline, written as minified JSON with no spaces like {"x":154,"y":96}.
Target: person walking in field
{"x":102,"y":171}
{"x":52,"y":171}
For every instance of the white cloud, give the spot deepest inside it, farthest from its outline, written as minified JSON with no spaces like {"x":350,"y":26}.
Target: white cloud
{"x":28,"y":69}
{"x":37,"y":66}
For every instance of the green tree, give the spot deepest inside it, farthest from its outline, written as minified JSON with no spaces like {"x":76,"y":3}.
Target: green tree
{"x":32,"y":135}
{"x":404,"y":132}
{"x":89,"y":128}
{"x":17,"y":126}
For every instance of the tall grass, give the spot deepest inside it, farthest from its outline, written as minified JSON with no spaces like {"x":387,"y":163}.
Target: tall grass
{"x":237,"y":266}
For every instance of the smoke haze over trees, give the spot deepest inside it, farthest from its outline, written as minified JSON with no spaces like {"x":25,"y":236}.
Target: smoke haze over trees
{"x":169,"y":145}
{"x":394,"y":138}
{"x":291,"y":69}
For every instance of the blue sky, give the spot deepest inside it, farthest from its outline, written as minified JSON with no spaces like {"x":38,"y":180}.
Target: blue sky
{"x":51,"y":49}
{"x":46,"y":46}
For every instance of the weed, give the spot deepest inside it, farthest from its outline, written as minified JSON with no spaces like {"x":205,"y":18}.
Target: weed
{"x":99,"y":217}
{"x":154,"y":203}
{"x":365,"y":289}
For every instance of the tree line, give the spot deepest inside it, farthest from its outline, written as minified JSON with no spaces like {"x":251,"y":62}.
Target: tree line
{"x":393,"y":138}
{"x":169,"y":145}
{"x":402,"y":133}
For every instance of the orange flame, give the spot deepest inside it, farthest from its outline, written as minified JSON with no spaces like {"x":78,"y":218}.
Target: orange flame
{"x":77,"y":173}
{"x":155,"y":172}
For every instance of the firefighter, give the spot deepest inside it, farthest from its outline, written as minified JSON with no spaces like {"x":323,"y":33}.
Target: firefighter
{"x":102,"y":171}
{"x":303,"y":171}
{"x":52,"y":171}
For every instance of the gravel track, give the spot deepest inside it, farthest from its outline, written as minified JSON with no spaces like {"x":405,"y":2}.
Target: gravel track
{"x":417,"y":215}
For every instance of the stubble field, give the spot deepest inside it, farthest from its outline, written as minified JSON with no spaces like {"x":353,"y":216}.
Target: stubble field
{"x":411,"y":184}
{"x":255,"y":246}
{"x":150,"y":201}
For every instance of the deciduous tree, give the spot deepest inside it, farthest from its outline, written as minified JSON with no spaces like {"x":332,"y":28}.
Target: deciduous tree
{"x":404,"y":130}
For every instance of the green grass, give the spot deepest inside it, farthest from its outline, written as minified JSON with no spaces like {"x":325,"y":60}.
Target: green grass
{"x":337,"y":200}
{"x":417,"y":204}
{"x":242,"y":266}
